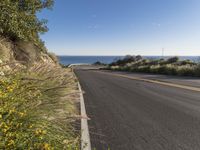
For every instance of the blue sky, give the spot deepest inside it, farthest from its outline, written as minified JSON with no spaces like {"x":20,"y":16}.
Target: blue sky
{"x":120,"y":27}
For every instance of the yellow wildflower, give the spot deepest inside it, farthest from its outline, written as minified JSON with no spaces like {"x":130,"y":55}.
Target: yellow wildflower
{"x":44,"y":132}
{"x":46,"y":147}
{"x":9,"y":88}
{"x":40,"y":132}
{"x":19,"y":125}
{"x":5,"y":130}
{"x":5,"y":126}
{"x":11,"y":142}
{"x":21,"y":114}
{"x":12,"y":111}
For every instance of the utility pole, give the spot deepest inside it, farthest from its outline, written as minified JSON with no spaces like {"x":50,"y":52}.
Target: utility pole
{"x":163,"y":50}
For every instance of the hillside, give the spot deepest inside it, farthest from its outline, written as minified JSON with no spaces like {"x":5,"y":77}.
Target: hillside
{"x":26,"y":53}
{"x":37,"y":96}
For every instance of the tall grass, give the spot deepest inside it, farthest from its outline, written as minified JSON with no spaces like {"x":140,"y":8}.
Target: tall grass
{"x":37,"y":108}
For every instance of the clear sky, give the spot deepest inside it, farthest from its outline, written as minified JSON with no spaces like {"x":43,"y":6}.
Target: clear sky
{"x":120,"y":27}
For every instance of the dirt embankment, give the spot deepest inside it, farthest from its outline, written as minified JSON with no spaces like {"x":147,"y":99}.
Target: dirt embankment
{"x":23,"y":54}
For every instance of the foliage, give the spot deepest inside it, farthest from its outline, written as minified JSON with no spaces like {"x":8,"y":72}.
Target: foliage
{"x":99,"y":63}
{"x":170,"y":66}
{"x":172,"y":60}
{"x":18,"y":19}
{"x":37,"y":108}
{"x":126,"y":59}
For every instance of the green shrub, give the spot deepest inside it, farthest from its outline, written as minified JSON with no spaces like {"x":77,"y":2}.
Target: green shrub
{"x":187,"y":62}
{"x":154,"y":62}
{"x":154,"y":69}
{"x":186,"y":70}
{"x":171,"y":66}
{"x":145,"y":69}
{"x":170,"y":70}
{"x":18,"y":19}
{"x":145,"y":61}
{"x":197,"y":70}
{"x":125,"y":60}
{"x":172,"y":60}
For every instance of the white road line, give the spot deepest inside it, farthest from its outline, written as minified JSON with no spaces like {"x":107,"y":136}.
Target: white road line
{"x":85,"y":136}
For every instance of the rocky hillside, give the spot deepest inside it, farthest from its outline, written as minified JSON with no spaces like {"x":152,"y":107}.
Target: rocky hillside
{"x":23,"y":54}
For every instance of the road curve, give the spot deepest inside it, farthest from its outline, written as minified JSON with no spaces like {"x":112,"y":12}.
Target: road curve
{"x":134,"y":115}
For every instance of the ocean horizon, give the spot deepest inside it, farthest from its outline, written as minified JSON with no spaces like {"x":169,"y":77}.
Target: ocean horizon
{"x":66,"y":60}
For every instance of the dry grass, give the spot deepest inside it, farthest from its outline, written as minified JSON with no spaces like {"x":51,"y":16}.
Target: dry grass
{"x":5,"y":49}
{"x":53,"y":57}
{"x":37,"y":108}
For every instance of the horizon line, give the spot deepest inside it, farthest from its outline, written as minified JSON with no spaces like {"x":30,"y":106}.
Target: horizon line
{"x":135,"y":55}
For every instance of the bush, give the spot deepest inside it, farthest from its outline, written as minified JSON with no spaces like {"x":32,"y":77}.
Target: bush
{"x":187,"y":62}
{"x":186,"y":70}
{"x":170,"y":70}
{"x":154,"y":62}
{"x":145,"y":69}
{"x":99,"y":63}
{"x":18,"y":19}
{"x":138,"y":57}
{"x":171,"y":66}
{"x":197,"y":70}
{"x":125,"y":60}
{"x":172,"y":60}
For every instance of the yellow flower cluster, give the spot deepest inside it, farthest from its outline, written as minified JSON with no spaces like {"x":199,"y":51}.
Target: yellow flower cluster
{"x":7,"y":87}
{"x":2,"y":94}
{"x":47,"y":147}
{"x":23,"y":121}
{"x":4,"y":127}
{"x":40,"y":132}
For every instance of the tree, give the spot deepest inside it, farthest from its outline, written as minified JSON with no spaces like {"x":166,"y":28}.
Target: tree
{"x":18,"y":19}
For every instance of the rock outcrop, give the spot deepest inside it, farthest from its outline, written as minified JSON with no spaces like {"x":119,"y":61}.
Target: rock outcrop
{"x":22,"y":54}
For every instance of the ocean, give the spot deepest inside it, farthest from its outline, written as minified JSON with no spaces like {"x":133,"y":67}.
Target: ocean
{"x":66,"y":60}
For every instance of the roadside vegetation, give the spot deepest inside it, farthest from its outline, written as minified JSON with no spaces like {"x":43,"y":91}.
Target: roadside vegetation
{"x":98,"y":63}
{"x":37,"y":109}
{"x":37,"y":96}
{"x":19,"y":21}
{"x":170,"y":66}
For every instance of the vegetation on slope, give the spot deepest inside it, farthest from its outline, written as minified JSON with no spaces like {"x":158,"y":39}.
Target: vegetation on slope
{"x":18,"y":20}
{"x":37,"y":97}
{"x":170,"y":66}
{"x":37,"y":109}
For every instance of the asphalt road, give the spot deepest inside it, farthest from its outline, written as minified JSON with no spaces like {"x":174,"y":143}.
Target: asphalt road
{"x":188,"y":81}
{"x":134,"y":115}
